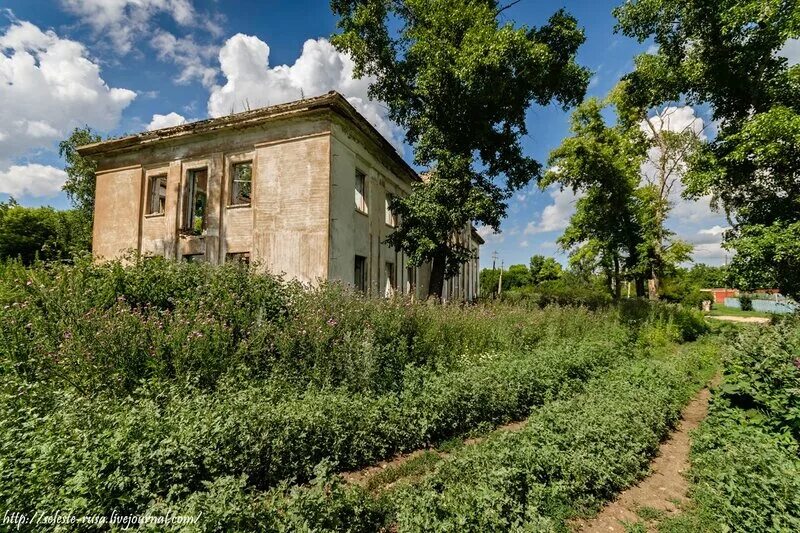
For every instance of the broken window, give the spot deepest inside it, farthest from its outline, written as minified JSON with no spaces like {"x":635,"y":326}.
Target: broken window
{"x":195,"y":202}
{"x":391,"y":216}
{"x":241,"y":184}
{"x":157,"y":195}
{"x":361,"y":191}
{"x":360,"y":273}
{"x":194,"y":258}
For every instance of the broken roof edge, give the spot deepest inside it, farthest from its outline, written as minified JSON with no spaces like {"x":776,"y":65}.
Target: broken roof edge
{"x":332,"y":100}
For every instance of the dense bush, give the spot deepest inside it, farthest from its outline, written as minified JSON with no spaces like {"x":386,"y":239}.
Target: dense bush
{"x":109,"y":328}
{"x":163,"y":385}
{"x":746,"y":302}
{"x":745,"y":463}
{"x":574,"y":454}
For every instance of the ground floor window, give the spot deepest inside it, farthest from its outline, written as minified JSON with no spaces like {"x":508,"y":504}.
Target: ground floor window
{"x":360,"y":273}
{"x":390,"y":284}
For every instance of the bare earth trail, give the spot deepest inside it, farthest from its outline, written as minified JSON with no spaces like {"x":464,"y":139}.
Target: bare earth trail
{"x":665,"y":488}
{"x":742,"y":319}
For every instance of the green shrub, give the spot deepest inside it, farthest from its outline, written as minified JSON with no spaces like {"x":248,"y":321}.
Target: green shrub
{"x":573,"y":454}
{"x":745,"y":463}
{"x":746,"y":302}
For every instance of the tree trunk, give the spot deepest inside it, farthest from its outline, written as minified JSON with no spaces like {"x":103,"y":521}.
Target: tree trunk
{"x":617,"y":284}
{"x":652,"y":286}
{"x":436,"y":285}
{"x":640,"y":290}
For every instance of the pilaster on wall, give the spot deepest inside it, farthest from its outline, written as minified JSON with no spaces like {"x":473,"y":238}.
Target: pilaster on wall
{"x":216,"y":174}
{"x":173,"y":208}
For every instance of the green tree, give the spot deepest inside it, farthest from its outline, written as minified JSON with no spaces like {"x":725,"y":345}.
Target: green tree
{"x":28,"y":233}
{"x":726,"y":54}
{"x":80,"y":183}
{"x":516,"y":276}
{"x":544,"y":269}
{"x":602,"y":163}
{"x":459,"y":82}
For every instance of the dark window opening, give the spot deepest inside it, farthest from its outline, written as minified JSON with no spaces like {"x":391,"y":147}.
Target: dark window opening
{"x":361,"y":191}
{"x":195,"y":202}
{"x":157,"y":195}
{"x":360,"y":273}
{"x":390,"y":280}
{"x":242,"y":258}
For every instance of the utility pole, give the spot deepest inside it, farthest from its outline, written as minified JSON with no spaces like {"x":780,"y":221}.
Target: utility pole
{"x":500,"y":281}
{"x":495,"y":256}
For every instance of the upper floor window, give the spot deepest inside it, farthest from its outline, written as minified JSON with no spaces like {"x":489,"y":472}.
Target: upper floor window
{"x":361,"y":191}
{"x":241,"y":183}
{"x":156,"y":195}
{"x":391,"y":216}
{"x":195,"y":202}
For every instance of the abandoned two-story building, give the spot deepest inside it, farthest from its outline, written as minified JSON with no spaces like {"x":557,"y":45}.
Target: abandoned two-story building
{"x":301,"y":189}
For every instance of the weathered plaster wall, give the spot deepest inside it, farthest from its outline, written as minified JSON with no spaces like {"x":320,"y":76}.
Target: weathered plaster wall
{"x":291,"y":206}
{"x":353,"y":232}
{"x":117,"y":212}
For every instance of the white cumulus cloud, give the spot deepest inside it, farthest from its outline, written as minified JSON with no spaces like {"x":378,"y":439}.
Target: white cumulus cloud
{"x":32,"y":180}
{"x":165,"y":121}
{"x":251,"y":82}
{"x":123,"y":21}
{"x":791,"y":51}
{"x":555,"y":216}
{"x":49,"y":85}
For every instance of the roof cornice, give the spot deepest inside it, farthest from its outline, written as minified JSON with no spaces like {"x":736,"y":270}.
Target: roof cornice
{"x":332,"y":101}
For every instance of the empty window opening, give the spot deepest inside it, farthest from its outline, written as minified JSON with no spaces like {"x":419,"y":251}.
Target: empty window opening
{"x":157,"y":195}
{"x":194,"y":258}
{"x":195,"y":202}
{"x":360,"y":273}
{"x":241,"y":184}
{"x":390,"y":280}
{"x":361,"y":191}
{"x":391,"y":216}
{"x":411,"y":280}
{"x":241,"y":258}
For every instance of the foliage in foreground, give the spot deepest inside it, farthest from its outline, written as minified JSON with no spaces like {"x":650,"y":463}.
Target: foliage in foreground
{"x":574,"y":454}
{"x":149,"y":386}
{"x":745,"y":457}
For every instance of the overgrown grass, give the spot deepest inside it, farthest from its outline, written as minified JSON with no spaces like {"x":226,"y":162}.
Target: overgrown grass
{"x":159,"y":386}
{"x":745,"y":456}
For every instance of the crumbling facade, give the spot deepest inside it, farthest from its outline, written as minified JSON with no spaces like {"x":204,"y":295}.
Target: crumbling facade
{"x":301,"y":189}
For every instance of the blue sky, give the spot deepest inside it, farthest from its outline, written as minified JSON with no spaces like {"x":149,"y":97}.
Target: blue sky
{"x":122,"y":66}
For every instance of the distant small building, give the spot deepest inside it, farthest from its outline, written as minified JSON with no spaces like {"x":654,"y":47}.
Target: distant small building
{"x":302,"y":188}
{"x":718,"y":295}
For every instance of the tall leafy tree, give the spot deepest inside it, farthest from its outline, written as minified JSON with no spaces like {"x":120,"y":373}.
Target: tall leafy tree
{"x":726,"y":53}
{"x":80,"y":183}
{"x":601,"y":163}
{"x":544,"y":269}
{"x":459,"y":81}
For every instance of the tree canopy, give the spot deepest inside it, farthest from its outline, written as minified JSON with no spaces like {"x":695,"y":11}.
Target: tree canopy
{"x":459,"y":82}
{"x":727,"y":54}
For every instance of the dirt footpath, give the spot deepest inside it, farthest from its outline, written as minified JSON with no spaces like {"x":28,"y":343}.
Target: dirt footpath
{"x":743,"y":319}
{"x":665,"y":488}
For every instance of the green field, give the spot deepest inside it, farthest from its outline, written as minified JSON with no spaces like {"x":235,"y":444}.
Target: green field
{"x":721,"y":310}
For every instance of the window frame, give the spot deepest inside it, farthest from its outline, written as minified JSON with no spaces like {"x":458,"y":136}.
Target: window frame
{"x":149,"y":191}
{"x":233,"y":162}
{"x":364,"y":208}
{"x":390,"y":217}
{"x":189,"y":200}
{"x":360,"y":284}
